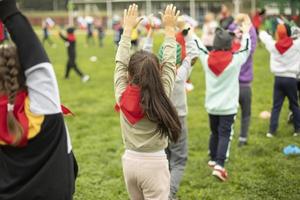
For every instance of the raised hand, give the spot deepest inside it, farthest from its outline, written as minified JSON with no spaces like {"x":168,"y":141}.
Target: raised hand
{"x":244,"y":21}
{"x":131,"y":19}
{"x":7,"y":8}
{"x":169,"y":19}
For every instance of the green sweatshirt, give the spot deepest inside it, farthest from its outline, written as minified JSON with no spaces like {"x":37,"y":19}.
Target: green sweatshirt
{"x":222,"y":92}
{"x":142,"y":136}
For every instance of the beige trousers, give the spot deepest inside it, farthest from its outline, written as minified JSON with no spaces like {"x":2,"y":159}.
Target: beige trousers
{"x":147,"y":177}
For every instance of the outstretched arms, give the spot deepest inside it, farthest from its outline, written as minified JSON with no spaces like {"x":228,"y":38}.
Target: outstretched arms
{"x":123,"y":53}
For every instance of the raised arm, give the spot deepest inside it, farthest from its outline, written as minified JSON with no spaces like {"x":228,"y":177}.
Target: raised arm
{"x":61,"y":35}
{"x":40,"y":77}
{"x":123,"y":52}
{"x":267,"y":40}
{"x":185,"y":70}
{"x":240,"y":57}
{"x":169,"y":19}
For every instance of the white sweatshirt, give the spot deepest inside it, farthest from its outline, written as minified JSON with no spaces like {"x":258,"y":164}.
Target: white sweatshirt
{"x":283,"y":65}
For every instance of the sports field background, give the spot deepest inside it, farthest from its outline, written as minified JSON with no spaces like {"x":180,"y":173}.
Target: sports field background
{"x":257,"y":171}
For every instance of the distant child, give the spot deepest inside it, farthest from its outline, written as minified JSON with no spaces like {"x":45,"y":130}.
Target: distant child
{"x":118,"y":31}
{"x":148,"y":119}
{"x":101,"y":32}
{"x":284,"y":63}
{"x":89,"y":30}
{"x":226,"y":18}
{"x":36,"y":159}
{"x":46,"y":33}
{"x":208,"y":31}
{"x":245,"y":79}
{"x":222,"y":68}
{"x":135,"y":39}
{"x":70,"y":40}
{"x":178,"y":152}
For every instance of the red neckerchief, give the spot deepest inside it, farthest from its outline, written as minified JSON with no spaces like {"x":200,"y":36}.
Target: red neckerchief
{"x":218,"y":61}
{"x":130,"y":104}
{"x":20,"y":115}
{"x":236,"y":45}
{"x":71,"y":37}
{"x":180,"y":39}
{"x":2,"y":36}
{"x":284,"y":44}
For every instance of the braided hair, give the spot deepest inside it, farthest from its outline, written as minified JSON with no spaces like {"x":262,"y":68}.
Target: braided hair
{"x":11,"y":81}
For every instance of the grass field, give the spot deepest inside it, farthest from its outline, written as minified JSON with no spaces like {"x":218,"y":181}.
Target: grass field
{"x":257,"y":171}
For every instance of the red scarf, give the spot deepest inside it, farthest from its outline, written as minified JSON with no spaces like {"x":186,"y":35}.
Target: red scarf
{"x":218,"y":61}
{"x":180,"y":39}
{"x":130,"y":104}
{"x":236,"y":45}
{"x":284,"y":44}
{"x":20,"y":115}
{"x":2,"y":34}
{"x":71,"y":37}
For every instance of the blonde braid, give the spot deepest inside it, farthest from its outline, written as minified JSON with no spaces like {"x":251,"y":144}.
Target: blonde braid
{"x":9,"y":85}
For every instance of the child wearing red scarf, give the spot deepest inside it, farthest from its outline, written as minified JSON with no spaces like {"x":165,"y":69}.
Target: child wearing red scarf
{"x":70,"y":40}
{"x":147,"y":117}
{"x":284,"y":63}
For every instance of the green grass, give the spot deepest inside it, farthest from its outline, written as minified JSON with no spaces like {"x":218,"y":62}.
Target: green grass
{"x":258,"y":171}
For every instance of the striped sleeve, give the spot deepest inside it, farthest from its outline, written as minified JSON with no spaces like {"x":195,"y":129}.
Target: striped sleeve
{"x":40,"y":77}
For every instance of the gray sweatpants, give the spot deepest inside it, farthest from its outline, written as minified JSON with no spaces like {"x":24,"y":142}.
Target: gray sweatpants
{"x":245,"y":103}
{"x":177,"y":155}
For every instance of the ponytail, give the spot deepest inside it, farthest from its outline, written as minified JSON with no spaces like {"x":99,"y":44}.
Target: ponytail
{"x":10,"y":81}
{"x":144,"y":71}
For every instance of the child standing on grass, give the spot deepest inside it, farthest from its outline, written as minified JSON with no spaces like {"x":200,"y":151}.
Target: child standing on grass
{"x":245,"y":79}
{"x":36,"y":159}
{"x":71,"y":63}
{"x":178,"y":152}
{"x":284,"y":63}
{"x":222,"y":68}
{"x":148,"y":119}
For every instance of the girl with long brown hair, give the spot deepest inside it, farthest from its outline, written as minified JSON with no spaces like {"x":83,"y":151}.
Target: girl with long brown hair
{"x":36,"y":159}
{"x":148,"y":118}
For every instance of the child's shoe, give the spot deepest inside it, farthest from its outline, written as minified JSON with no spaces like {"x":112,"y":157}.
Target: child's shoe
{"x":220,"y":173}
{"x":270,"y":135}
{"x":212,"y":163}
{"x":290,"y":118}
{"x":85,"y":78}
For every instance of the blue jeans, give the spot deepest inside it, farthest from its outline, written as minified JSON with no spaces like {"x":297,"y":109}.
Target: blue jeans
{"x":284,"y":87}
{"x":221,"y":127}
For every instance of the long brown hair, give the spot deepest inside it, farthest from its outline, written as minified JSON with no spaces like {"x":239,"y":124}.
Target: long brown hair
{"x":11,"y":81}
{"x":144,"y":71}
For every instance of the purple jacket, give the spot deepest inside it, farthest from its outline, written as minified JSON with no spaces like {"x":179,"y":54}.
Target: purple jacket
{"x":246,"y":74}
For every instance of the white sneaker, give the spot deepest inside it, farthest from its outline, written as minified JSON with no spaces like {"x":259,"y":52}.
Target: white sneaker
{"x":296,"y":134}
{"x":220,"y":173}
{"x":85,"y":78}
{"x":270,"y":135}
{"x":212,"y":163}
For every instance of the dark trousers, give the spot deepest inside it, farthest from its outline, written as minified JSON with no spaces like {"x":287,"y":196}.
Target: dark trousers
{"x":221,"y":128}
{"x":177,"y":155}
{"x":71,"y":64}
{"x":284,"y":87}
{"x":245,"y":103}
